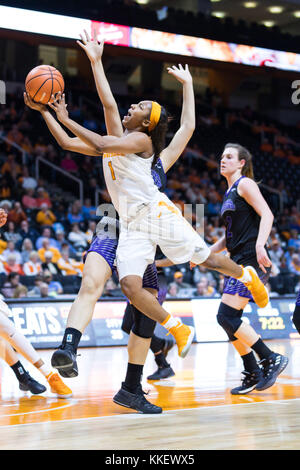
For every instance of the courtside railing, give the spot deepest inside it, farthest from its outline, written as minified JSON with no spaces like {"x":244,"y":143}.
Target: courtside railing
{"x":78,"y":181}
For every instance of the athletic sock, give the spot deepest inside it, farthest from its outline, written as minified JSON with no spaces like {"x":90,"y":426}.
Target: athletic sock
{"x":170,"y":322}
{"x":19,"y":371}
{"x":245,"y":277}
{"x":133,"y":377}
{"x":161,"y":360}
{"x":71,"y":339}
{"x":262,"y":350}
{"x":250,"y":363}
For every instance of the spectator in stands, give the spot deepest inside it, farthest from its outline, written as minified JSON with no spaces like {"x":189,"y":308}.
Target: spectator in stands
{"x":40,"y":147}
{"x":203,"y":289}
{"x":266,"y":147}
{"x":27,"y":248}
{"x":91,"y":230}
{"x":32,"y":267}
{"x":12,"y":266}
{"x":89,"y":211}
{"x":16,"y":214}
{"x":69,"y":266}
{"x":20,"y":292}
{"x":11,"y":168}
{"x":43,"y":198}
{"x":172,"y":290}
{"x":35,"y":292}
{"x":12,"y":282}
{"x":28,"y":200}
{"x":53,"y":286}
{"x":5,"y":188}
{"x":61,"y":242}
{"x":27,"y":231}
{"x":178,"y":280}
{"x":11,"y":235}
{"x":75,"y":214}
{"x":10,"y":250}
{"x":276,"y":253}
{"x":6,"y":205}
{"x":68,"y":164}
{"x":27,"y":181}
{"x":295,"y":264}
{"x":46,"y":234}
{"x":294,"y":239}
{"x":78,"y":238}
{"x":200,"y":271}
{"x":49,"y":264}
{"x":46,"y":247}
{"x":45,"y":216}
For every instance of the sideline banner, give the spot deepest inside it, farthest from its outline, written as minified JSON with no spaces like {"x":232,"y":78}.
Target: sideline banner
{"x":43,"y":322}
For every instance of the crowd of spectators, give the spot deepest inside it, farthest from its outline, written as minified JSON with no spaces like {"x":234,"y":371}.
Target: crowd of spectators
{"x":49,"y":228}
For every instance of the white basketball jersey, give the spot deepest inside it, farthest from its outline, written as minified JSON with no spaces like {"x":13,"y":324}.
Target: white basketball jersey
{"x":129,"y":182}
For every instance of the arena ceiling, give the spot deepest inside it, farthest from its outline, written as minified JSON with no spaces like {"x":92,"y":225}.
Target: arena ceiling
{"x":286,"y":16}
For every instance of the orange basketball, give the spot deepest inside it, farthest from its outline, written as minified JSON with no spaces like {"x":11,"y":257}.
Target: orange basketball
{"x":42,"y":82}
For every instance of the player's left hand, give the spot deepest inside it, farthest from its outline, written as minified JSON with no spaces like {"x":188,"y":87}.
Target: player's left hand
{"x":59,"y":106}
{"x":3,"y":217}
{"x":92,"y":47}
{"x":181,"y":74}
{"x":262,"y":258}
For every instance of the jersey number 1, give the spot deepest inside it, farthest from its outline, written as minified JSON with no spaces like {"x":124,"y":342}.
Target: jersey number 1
{"x":112,"y":171}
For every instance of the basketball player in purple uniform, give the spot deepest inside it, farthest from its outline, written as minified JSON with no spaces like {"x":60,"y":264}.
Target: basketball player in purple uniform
{"x":248,"y":221}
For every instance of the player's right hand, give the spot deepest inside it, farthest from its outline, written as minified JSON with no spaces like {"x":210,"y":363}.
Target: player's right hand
{"x":32,"y":104}
{"x":181,"y":74}
{"x":92,"y":47}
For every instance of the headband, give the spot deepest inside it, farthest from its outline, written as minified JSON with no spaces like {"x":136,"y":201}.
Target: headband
{"x":155,"y":115}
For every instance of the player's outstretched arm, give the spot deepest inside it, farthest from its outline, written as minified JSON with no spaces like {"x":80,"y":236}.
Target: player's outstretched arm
{"x":135,"y":142}
{"x":72,"y":144}
{"x":94,"y":51}
{"x":187,"y":123}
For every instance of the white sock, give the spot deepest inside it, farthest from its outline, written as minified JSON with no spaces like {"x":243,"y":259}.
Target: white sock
{"x":44,"y":369}
{"x":245,"y":277}
{"x":170,"y":322}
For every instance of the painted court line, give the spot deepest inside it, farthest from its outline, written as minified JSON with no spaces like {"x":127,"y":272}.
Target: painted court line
{"x":165,"y":414}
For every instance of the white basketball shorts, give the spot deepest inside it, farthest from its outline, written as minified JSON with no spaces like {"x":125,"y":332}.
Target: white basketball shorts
{"x":161,"y":224}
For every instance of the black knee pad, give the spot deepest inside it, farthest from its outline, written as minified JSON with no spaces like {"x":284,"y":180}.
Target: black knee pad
{"x":128,"y":319}
{"x":296,"y":317}
{"x":143,"y":326}
{"x":229,"y":319}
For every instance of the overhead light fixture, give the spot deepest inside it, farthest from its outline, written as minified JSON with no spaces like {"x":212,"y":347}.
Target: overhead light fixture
{"x":296,"y":13}
{"x":215,"y":1}
{"x":275,"y":10}
{"x":250,"y":4}
{"x":219,"y":14}
{"x":268,"y":23}
{"x":142,"y":2}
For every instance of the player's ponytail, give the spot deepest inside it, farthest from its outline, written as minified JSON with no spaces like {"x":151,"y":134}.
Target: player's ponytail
{"x":158,"y":134}
{"x":244,"y":154}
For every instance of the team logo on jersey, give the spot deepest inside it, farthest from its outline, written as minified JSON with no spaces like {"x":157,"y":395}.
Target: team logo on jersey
{"x":227,"y":206}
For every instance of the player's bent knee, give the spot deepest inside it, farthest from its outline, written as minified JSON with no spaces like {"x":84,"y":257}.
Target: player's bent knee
{"x":91,"y":286}
{"x":229,"y":319}
{"x":143,"y":326}
{"x":129,"y":288}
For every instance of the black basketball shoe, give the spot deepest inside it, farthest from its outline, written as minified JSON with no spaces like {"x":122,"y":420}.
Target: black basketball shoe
{"x":271,"y":368}
{"x":249,"y":382}
{"x":169,"y":343}
{"x":162,"y":373}
{"x":64,"y":360}
{"x":28,"y":384}
{"x":136,"y":401}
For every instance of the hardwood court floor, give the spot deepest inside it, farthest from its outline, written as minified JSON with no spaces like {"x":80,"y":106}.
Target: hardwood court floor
{"x":199,"y":412}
